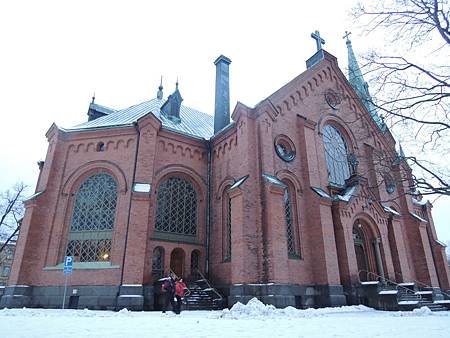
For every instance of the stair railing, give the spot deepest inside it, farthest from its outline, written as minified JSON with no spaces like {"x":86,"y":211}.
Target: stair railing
{"x":422,"y":284}
{"x":398,"y":286}
{"x":209,"y":285}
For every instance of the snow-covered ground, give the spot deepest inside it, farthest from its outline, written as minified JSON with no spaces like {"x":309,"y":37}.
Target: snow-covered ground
{"x":252,"y":320}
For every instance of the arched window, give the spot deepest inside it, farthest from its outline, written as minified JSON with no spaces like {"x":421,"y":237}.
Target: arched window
{"x":92,"y":221}
{"x":158,"y":261}
{"x":176,"y":207}
{"x":226,"y":221}
{"x":336,"y":156}
{"x":289,"y":216}
{"x":195,"y":258}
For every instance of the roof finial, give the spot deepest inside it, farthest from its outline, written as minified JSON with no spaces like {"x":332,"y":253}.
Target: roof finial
{"x":176,"y":84}
{"x":319,"y":40}
{"x":93,"y":98}
{"x":346,"y":36}
{"x":159,"y":95}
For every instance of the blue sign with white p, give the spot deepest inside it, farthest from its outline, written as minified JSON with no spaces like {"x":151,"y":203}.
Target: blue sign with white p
{"x":68,"y":265}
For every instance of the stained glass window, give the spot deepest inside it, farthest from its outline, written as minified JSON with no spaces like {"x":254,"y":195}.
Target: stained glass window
{"x":92,"y":221}
{"x":336,"y":156}
{"x":176,"y":205}
{"x":227,"y":255}
{"x":289,"y":223}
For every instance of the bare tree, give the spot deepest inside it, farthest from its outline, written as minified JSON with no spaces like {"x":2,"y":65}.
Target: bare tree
{"x":412,"y":90}
{"x":11,"y":211}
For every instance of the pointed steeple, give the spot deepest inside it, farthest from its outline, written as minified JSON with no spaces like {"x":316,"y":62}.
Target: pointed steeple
{"x":159,"y":95}
{"x":401,"y":152}
{"x":360,"y":86}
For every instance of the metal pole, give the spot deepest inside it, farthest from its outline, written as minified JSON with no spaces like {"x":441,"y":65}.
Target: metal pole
{"x":65,"y":290}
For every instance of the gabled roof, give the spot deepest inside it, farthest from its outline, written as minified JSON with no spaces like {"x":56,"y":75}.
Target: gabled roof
{"x":193,"y":122}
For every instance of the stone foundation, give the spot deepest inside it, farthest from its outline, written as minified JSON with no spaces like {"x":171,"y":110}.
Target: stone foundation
{"x":282,"y":295}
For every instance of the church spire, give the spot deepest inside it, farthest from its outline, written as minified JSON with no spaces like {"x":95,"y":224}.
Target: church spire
{"x":360,"y":86}
{"x":159,"y":95}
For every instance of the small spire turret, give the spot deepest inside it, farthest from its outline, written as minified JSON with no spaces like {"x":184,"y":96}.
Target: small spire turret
{"x":160,"y":95}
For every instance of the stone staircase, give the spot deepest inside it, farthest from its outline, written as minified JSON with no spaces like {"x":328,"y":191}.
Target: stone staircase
{"x":203,"y":297}
{"x":404,"y":296}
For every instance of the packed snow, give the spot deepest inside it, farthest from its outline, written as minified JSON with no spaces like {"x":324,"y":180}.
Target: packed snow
{"x":251,"y":320}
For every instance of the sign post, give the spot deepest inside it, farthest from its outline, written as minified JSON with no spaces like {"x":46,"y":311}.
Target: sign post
{"x":68,"y":266}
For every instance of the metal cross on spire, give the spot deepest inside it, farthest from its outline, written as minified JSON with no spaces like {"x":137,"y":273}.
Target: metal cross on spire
{"x":319,"y":40}
{"x":346,"y":35}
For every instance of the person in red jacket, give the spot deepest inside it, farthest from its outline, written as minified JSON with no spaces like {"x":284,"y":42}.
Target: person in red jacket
{"x":180,"y":289}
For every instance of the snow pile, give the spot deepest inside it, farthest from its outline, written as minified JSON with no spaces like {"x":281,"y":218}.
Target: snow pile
{"x":256,"y":309}
{"x":421,"y":312}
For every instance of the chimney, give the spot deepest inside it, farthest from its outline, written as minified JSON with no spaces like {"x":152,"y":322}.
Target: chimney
{"x":222,"y":107}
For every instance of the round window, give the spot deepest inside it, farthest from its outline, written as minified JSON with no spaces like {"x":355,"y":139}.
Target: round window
{"x":284,"y":148}
{"x":332,"y":98}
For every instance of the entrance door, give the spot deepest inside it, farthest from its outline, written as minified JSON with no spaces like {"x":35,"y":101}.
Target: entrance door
{"x":361,"y":261}
{"x":177,"y":261}
{"x":360,"y":252}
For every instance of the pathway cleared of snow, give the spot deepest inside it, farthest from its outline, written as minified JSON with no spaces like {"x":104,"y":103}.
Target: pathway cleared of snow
{"x":251,"y":320}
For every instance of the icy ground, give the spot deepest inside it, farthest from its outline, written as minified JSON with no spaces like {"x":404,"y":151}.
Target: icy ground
{"x":252,"y":320}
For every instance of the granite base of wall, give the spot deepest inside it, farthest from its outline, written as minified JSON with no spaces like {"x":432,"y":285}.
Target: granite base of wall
{"x":282,"y":295}
{"x":103,"y":297}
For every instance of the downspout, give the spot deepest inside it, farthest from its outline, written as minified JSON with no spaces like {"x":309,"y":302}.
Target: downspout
{"x":208,"y":207}
{"x":129,"y":211}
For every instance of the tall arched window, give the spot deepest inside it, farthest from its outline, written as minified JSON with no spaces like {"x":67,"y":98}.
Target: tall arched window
{"x":336,"y":156}
{"x":92,"y":220}
{"x":226,"y":221}
{"x":158,"y":261}
{"x":289,"y":214}
{"x":176,"y":207}
{"x":195,"y":259}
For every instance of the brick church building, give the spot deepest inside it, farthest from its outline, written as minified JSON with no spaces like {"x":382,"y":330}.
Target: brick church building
{"x":296,"y":200}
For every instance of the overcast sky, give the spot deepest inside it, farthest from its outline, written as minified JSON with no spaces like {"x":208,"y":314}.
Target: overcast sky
{"x":56,"y":54}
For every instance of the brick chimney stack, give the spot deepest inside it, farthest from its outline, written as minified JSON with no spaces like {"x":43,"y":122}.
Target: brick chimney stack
{"x":222,"y":106}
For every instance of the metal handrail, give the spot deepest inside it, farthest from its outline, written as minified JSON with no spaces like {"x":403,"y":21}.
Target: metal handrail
{"x":390,"y":281}
{"x":209,"y":285}
{"x":423,"y":284}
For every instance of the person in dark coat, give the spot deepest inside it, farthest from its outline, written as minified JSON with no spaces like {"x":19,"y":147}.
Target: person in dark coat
{"x":168,"y":291}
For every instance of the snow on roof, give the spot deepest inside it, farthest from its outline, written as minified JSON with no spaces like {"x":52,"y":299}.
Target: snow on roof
{"x":390,"y":210}
{"x":320,"y":192}
{"x":193,"y":122}
{"x":348,"y":193}
{"x":417,"y":202}
{"x":418,"y":217}
{"x":274,"y":180}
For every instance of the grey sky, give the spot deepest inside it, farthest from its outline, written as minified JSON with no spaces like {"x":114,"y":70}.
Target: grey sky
{"x":56,"y":54}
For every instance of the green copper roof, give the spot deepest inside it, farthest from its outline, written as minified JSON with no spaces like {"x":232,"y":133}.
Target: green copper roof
{"x":361,"y":87}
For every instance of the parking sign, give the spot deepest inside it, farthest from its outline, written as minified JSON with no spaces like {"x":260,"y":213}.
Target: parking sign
{"x":68,"y":265}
